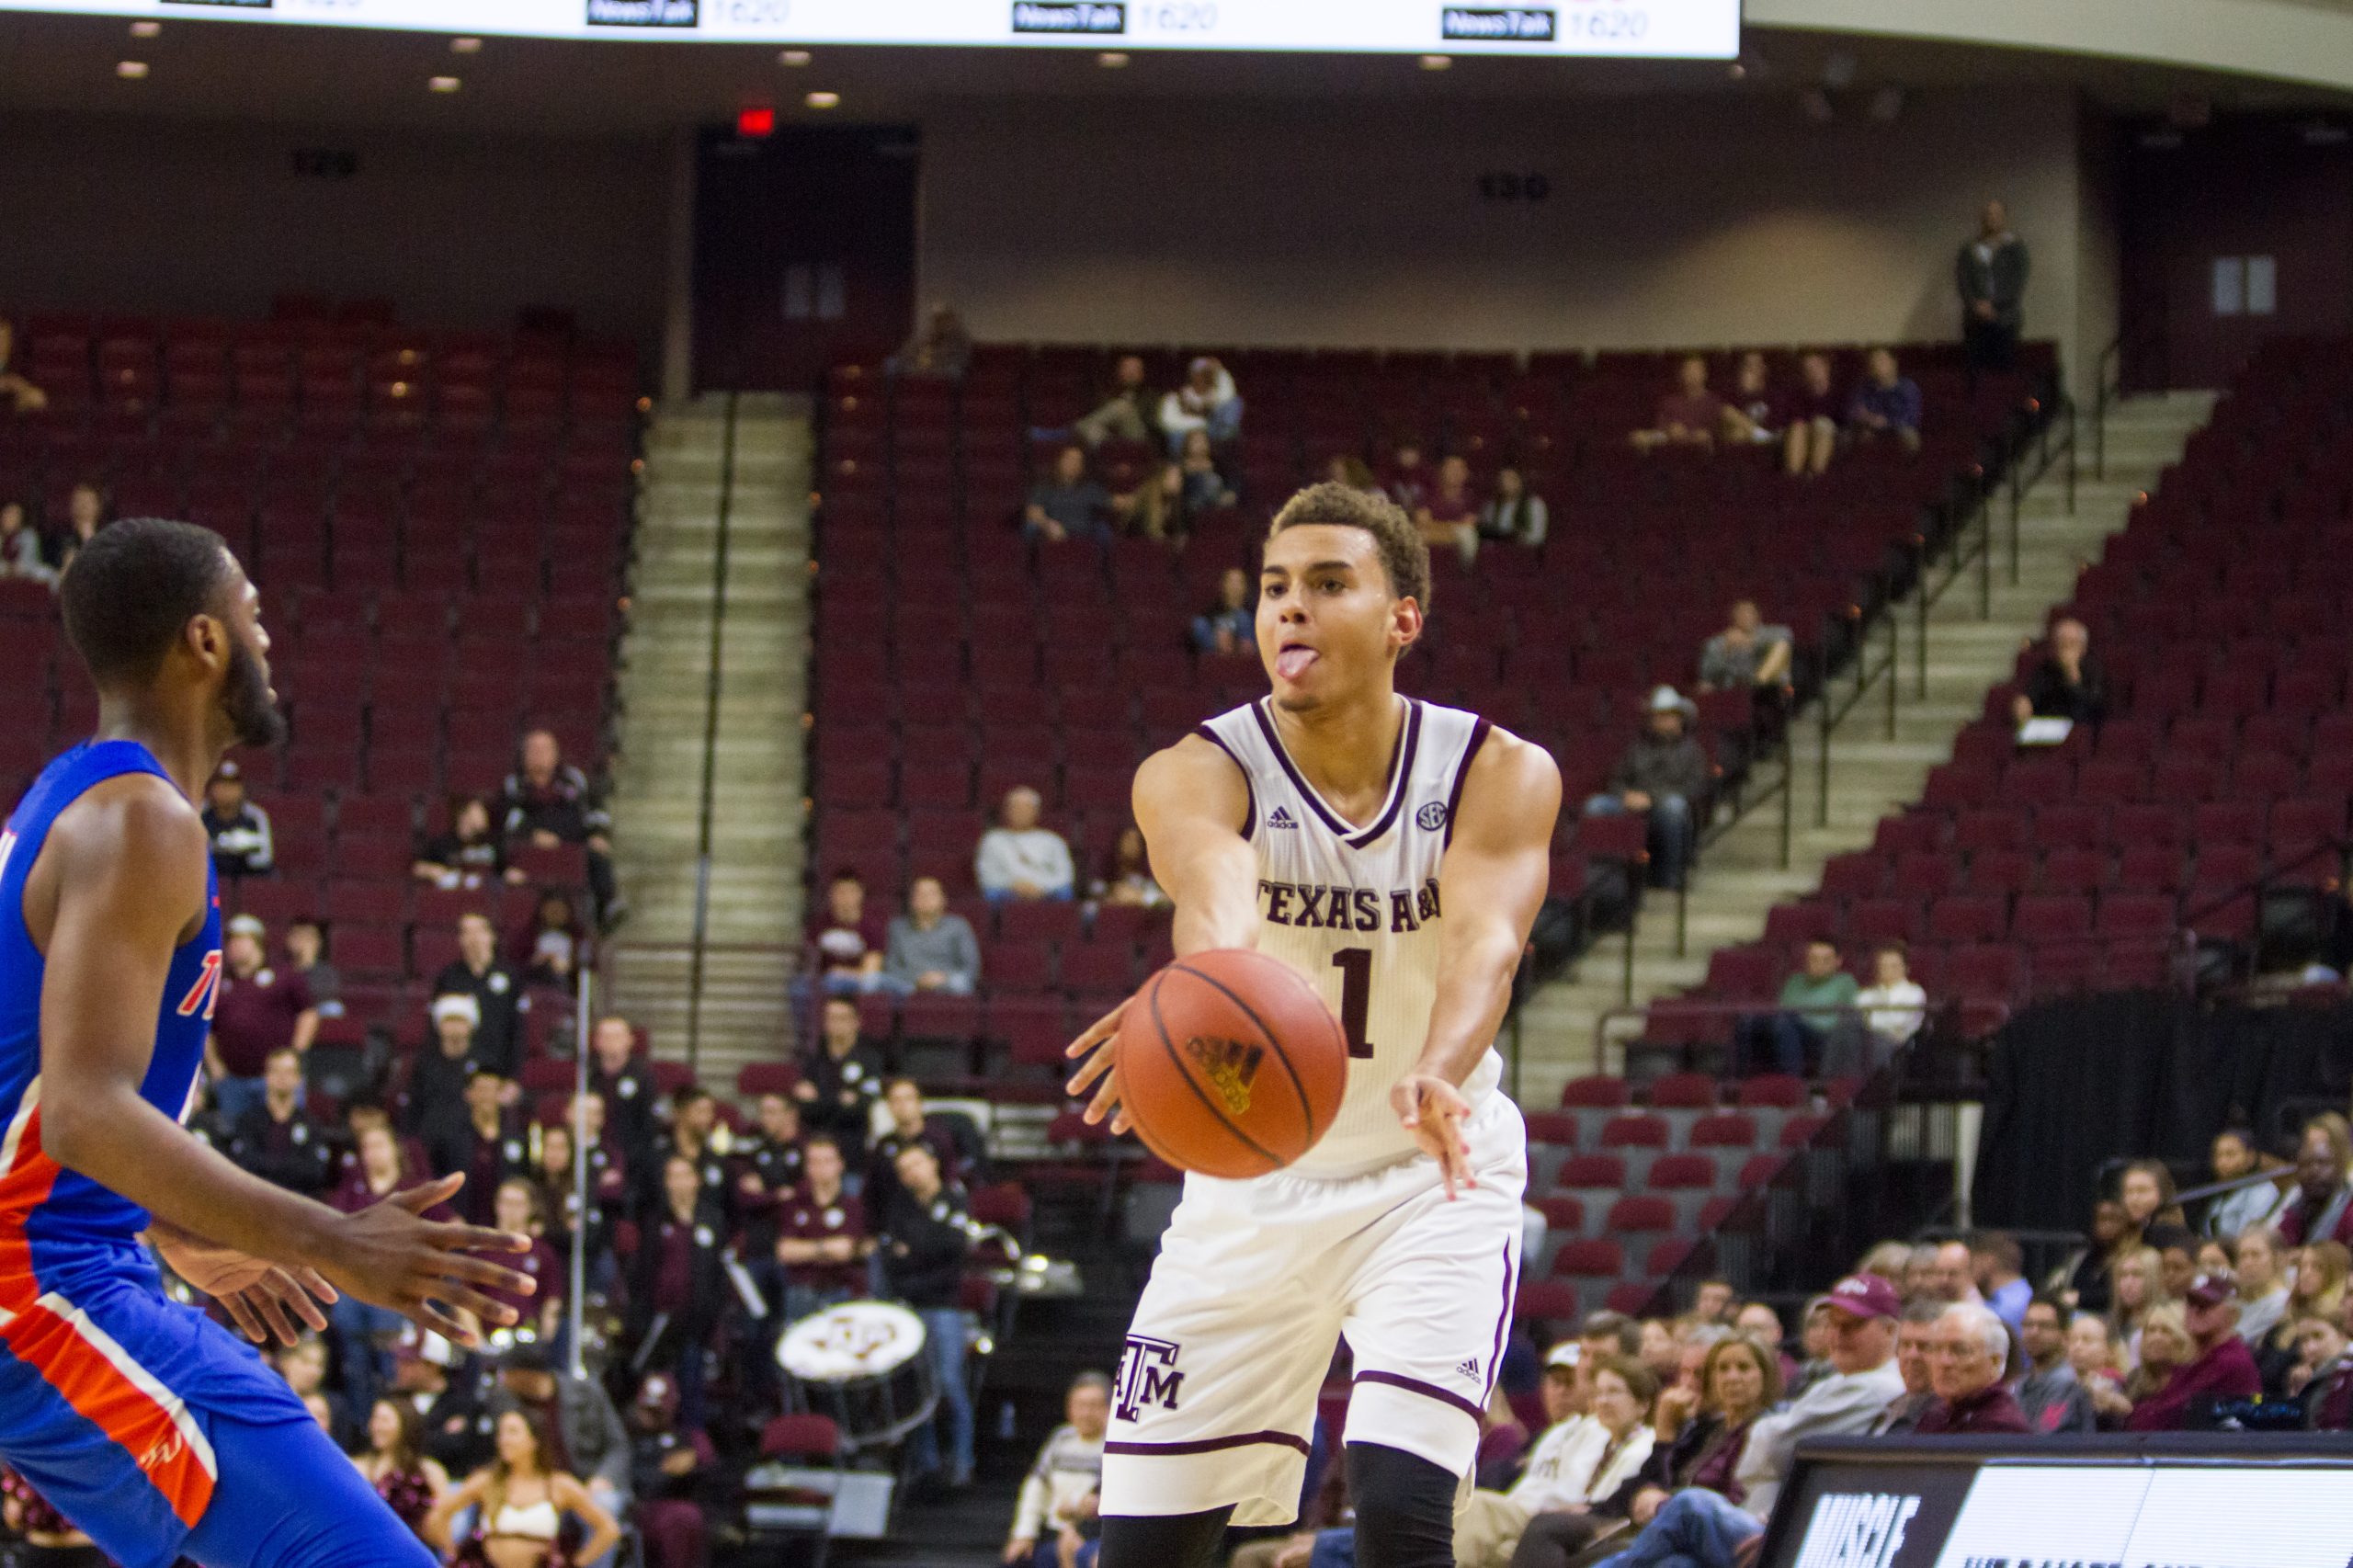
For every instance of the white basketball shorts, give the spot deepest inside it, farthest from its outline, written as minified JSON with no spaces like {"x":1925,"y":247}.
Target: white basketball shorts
{"x":1256,"y":1283}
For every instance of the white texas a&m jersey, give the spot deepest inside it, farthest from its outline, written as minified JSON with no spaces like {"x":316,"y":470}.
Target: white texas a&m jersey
{"x":1356,"y":910}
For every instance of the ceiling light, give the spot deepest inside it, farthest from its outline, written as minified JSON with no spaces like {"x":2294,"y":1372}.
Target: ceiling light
{"x":465,"y":46}
{"x":146,"y":30}
{"x":443,"y":85}
{"x":131,"y":70}
{"x":793,"y":57}
{"x":1437,"y":62}
{"x":824,"y":100}
{"x":1111,"y":60}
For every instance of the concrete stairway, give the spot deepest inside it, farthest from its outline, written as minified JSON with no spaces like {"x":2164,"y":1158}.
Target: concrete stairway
{"x":754,"y":873}
{"x":1741,"y":877}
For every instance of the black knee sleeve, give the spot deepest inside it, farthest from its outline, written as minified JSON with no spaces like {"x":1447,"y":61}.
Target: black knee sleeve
{"x":1164,"y":1541}
{"x":1404,"y":1508}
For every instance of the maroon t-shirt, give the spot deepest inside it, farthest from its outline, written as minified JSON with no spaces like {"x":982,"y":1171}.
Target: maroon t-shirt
{"x":675,"y":1241}
{"x":1704,"y":413}
{"x":1992,"y":1409}
{"x":256,"y":1016}
{"x":2226,"y":1371}
{"x":802,"y":1218}
{"x":844,"y":948}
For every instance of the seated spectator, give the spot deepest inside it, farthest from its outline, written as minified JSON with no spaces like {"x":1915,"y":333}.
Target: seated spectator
{"x":1886,"y":404}
{"x":2317,"y":1288}
{"x":847,"y":938}
{"x":409,"y":1479}
{"x":1746,"y":654}
{"x":2098,"y":1362}
{"x":435,"y":1094}
{"x":2235,"y":1154}
{"x":86,"y":513}
{"x":2147,"y":1190}
{"x":1969,"y":1354}
{"x":694,"y":1137}
{"x":2322,"y":1376}
{"x":498,"y":991}
{"x":1127,"y":877}
{"x":1810,"y":420}
{"x":553,"y":946}
{"x":1899,"y":1009}
{"x":2089,"y":1286}
{"x":590,"y":1225}
{"x":674,"y":1475}
{"x":1753,"y":415}
{"x":1689,"y":417}
{"x":1409,"y":478}
{"x":480,"y":1141}
{"x":771,"y":1164}
{"x":939,"y":348}
{"x":1915,"y":1338}
{"x":1356,"y":473}
{"x":1127,"y":411}
{"x":1515,"y":514}
{"x":521,"y":1207}
{"x":2068,"y":683}
{"x":1658,"y":1350}
{"x":1229,"y":627}
{"x":2139,"y":1275}
{"x":1574,"y":1466}
{"x":239,"y":829}
{"x":520,"y":1502}
{"x":840,"y":1078}
{"x":2256,"y":1263}
{"x":467,"y":854}
{"x":306,"y":960}
{"x":1792,"y":1040}
{"x":1448,"y":514}
{"x":2320,"y":1208}
{"x":619,"y":1080}
{"x":926,"y":1237}
{"x":680,"y":1289}
{"x":1201,"y":487}
{"x":1021,"y":860}
{"x":18,"y":394}
{"x":257,"y":1010}
{"x":822,"y":1242}
{"x":1067,"y":503}
{"x":547,"y":801}
{"x":931,"y":947}
{"x":2051,"y":1396}
{"x":2219,"y":1368}
{"x":1663,"y":775}
{"x":953,"y":1140}
{"x":1058,"y":1494}
{"x":275,"y":1140}
{"x":20,"y":554}
{"x":1713,"y":1302}
{"x":1997,"y":1263}
{"x":1208,"y":404}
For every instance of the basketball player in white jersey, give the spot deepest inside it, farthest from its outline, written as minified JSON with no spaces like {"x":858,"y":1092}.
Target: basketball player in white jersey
{"x":1394,"y":853}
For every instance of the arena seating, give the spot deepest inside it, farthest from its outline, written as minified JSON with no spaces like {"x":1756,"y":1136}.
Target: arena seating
{"x":955,"y":661}
{"x":2226,"y":759}
{"x":437,"y":521}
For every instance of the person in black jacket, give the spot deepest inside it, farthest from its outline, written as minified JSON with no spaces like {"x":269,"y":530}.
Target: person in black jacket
{"x":927,"y":1236}
{"x":277,"y":1140}
{"x":1990,"y":274}
{"x":678,"y":1284}
{"x":840,"y":1075}
{"x":952,"y":1139}
{"x":242,"y":842}
{"x":497,"y":992}
{"x":482,"y":1144}
{"x":621,"y":1078}
{"x":547,"y":801}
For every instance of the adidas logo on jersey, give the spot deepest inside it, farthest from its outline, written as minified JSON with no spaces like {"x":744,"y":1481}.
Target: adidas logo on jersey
{"x":1469,"y":1368}
{"x":1230,"y":1067}
{"x":1282,"y":818}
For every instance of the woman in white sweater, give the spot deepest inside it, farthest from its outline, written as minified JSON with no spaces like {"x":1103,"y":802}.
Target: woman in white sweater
{"x":1573,"y":1466}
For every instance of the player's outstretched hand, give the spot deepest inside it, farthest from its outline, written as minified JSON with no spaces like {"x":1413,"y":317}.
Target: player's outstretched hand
{"x":1432,"y":1109}
{"x":256,"y":1294}
{"x":1099,"y":1071}
{"x":389,"y":1254}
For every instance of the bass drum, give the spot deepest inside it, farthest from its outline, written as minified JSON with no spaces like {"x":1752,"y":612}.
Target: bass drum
{"x":861,"y":1363}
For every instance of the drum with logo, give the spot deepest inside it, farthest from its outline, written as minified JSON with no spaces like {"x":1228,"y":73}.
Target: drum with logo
{"x":861,"y":1363}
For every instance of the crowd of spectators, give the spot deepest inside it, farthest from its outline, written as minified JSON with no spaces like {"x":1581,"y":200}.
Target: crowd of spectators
{"x":1806,"y":422}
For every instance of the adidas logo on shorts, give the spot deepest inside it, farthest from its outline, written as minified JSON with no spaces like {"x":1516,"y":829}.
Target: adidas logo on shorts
{"x":1469,"y":1368}
{"x":1282,"y":818}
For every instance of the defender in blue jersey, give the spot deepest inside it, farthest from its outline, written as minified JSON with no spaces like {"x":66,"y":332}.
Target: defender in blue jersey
{"x":153,"y":1430}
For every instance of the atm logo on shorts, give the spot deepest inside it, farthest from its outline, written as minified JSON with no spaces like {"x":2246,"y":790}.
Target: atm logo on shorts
{"x":1230,"y":1067}
{"x":1148,"y":1376}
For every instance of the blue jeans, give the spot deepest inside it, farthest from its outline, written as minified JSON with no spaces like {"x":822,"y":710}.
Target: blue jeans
{"x":1671,"y":833}
{"x":1695,"y":1528}
{"x":944,"y":1329}
{"x":362,"y":1336}
{"x":235,"y":1097}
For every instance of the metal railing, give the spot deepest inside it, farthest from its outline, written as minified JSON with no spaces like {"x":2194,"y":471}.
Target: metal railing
{"x":700,"y":943}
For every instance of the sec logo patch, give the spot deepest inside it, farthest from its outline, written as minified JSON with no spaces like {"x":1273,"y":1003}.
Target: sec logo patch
{"x":1432,"y":817}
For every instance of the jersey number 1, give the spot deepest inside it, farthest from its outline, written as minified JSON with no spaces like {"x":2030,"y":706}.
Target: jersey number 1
{"x":1355,"y":965}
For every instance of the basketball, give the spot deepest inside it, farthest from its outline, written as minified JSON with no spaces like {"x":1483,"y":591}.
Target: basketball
{"x":1230,"y":1064}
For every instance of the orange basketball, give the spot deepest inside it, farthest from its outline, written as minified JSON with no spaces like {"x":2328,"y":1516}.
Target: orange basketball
{"x":1229,"y":1063}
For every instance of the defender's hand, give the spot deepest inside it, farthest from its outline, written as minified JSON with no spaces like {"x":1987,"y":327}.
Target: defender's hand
{"x":1100,"y":1040}
{"x":389,"y":1254}
{"x":1432,"y":1109}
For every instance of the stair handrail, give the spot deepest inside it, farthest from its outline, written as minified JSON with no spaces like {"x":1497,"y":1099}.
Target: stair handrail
{"x":707,"y":810}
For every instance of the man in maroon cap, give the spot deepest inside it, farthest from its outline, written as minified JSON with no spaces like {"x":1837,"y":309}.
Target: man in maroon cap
{"x":2224,"y":1368}
{"x":1967,"y":1356}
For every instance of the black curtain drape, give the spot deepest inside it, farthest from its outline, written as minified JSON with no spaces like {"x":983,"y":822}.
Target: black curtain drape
{"x":2079,"y":1081}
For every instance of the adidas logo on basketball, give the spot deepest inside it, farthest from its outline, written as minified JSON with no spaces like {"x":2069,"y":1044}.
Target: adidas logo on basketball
{"x":1282,"y":818}
{"x":1230,"y":1067}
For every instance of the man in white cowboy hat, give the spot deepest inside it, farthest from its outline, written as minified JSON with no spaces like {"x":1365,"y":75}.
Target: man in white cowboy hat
{"x":1664,"y":775}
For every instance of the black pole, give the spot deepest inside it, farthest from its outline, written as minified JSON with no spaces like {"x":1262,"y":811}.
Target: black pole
{"x":711,"y":737}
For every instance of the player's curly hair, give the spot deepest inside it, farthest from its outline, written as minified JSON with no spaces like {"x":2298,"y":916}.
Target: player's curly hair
{"x":1404,"y":556}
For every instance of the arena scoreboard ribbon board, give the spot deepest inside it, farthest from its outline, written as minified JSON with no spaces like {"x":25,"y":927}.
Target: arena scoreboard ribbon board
{"x":1653,"y":28}
{"x":2212,"y":1500}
